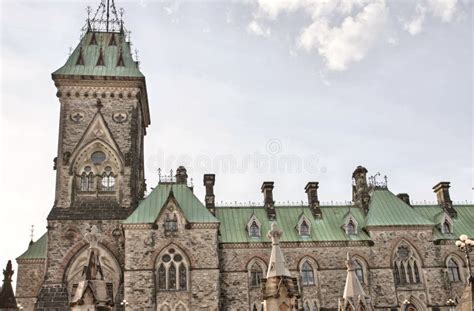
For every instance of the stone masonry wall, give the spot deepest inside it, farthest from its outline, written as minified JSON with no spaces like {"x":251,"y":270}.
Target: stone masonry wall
{"x":29,"y":280}
{"x":127,"y":134}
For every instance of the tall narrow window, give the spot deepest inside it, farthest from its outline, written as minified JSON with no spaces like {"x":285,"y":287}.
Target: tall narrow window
{"x":453,"y":271}
{"x":172,"y":277}
{"x":397,"y":274}
{"x":359,"y":271}
{"x":403,"y":274}
{"x":307,"y":274}
{"x":254,"y":230}
{"x":256,"y":275}
{"x":417,"y":274}
{"x":162,"y":277}
{"x":410,"y":273}
{"x":87,"y":179}
{"x":182,"y":277}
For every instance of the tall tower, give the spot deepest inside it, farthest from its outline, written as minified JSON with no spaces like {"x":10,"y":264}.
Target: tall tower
{"x":100,"y":171}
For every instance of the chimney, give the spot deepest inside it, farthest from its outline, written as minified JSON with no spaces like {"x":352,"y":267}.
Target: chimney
{"x":209,"y":181}
{"x":360,"y":189}
{"x":442,"y":193}
{"x":312,"y":190}
{"x":267,"y":190}
{"x":404,"y":197}
{"x":181,"y":175}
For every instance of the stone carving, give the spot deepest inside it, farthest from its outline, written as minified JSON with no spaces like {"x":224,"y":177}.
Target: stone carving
{"x":77,"y":116}
{"x":120,"y":117}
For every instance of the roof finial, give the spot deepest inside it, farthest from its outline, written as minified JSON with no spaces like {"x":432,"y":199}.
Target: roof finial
{"x":32,"y":231}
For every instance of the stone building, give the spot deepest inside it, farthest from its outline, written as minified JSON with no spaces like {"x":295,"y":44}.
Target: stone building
{"x":109,"y":247}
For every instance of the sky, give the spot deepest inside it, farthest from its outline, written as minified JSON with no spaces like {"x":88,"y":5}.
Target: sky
{"x":284,"y":91}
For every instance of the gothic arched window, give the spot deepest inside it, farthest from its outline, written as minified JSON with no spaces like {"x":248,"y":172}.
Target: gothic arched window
{"x":307,"y":274}
{"x":446,"y":227}
{"x":304,"y":229}
{"x":254,"y":231}
{"x":406,"y":266}
{"x":87,"y":179}
{"x":108,"y":180}
{"x":359,"y":271}
{"x":351,"y":228}
{"x":172,"y":274}
{"x":256,"y":275}
{"x":453,"y":271}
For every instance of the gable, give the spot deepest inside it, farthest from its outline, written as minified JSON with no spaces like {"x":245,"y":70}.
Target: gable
{"x":150,"y":208}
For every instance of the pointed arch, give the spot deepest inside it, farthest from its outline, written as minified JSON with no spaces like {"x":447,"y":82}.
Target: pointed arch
{"x":406,"y":263}
{"x":256,"y":268}
{"x":172,"y":269}
{"x":307,"y":268}
{"x":413,"y":304}
{"x":254,"y":227}
{"x":361,"y":269}
{"x":446,"y":224}
{"x":304,"y":226}
{"x":454,"y":268}
{"x":180,"y":306}
{"x":82,"y":157}
{"x":350,"y":226}
{"x":109,"y":264}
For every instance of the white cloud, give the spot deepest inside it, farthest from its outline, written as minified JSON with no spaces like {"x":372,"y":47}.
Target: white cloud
{"x":255,"y":28}
{"x":444,"y":9}
{"x":415,"y":26}
{"x":350,"y":41}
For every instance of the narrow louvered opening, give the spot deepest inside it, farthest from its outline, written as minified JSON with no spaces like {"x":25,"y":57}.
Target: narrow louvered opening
{"x":100,"y":61}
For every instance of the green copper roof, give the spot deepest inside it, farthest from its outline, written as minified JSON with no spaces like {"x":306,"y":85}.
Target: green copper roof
{"x":149,"y":209}
{"x":84,"y":60}
{"x":36,"y":250}
{"x":234,"y":220}
{"x":463,"y":223}
{"x":386,"y":209}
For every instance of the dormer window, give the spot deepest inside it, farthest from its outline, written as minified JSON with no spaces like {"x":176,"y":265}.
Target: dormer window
{"x":254,"y":230}
{"x":446,"y":227}
{"x":350,"y":225}
{"x":303,"y":227}
{"x":446,"y":224}
{"x":253,"y":227}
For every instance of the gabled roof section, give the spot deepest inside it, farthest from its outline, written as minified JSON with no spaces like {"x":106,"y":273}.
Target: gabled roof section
{"x":95,"y":56}
{"x":149,"y":209}
{"x":36,"y":250}
{"x":386,"y":209}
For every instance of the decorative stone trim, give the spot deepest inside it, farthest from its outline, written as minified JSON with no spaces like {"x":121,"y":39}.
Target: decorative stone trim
{"x":399,"y":228}
{"x":204,"y":225}
{"x":31,"y":260}
{"x":295,"y":244}
{"x":137,"y":226}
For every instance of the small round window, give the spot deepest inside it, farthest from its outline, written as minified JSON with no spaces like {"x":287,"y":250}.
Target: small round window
{"x":98,"y":157}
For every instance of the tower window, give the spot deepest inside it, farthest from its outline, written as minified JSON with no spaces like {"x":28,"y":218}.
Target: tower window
{"x":87,"y":179}
{"x":108,"y":180}
{"x":98,"y":157}
{"x":307,"y":274}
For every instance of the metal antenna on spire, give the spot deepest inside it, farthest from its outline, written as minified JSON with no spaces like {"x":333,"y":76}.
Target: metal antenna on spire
{"x":108,"y":16}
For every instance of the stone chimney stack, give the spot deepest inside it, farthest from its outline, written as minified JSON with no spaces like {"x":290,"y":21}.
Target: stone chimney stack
{"x":181,"y":175}
{"x":360,"y":188}
{"x":444,"y":200}
{"x":404,"y":197}
{"x":267,"y":190}
{"x":209,"y":181}
{"x":312,"y":190}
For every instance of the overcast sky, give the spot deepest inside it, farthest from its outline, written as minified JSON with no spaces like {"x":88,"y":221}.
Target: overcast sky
{"x":253,"y":91}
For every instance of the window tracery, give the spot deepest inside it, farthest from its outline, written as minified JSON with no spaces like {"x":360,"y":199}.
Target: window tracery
{"x":453,"y":270}
{"x":405,"y":266}
{"x":173,"y":271}
{"x":307,"y":274}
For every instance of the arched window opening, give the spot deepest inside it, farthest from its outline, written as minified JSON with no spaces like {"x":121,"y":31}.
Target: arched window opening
{"x":172,"y":271}
{"x":306,"y":307}
{"x":359,"y":271}
{"x":254,"y":231}
{"x":256,"y":275}
{"x":315,"y":307}
{"x":87,"y":179}
{"x":453,"y":271}
{"x":406,"y":266}
{"x":307,"y":274}
{"x":304,"y":228}
{"x":446,"y":227}
{"x":351,"y":228}
{"x":108,"y":180}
